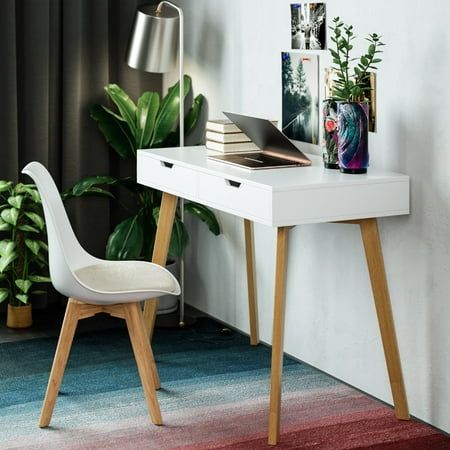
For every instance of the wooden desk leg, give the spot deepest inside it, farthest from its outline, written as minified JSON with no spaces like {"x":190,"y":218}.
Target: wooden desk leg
{"x":160,"y":251}
{"x":375,"y":264}
{"x":251,"y":287}
{"x":278,"y":335}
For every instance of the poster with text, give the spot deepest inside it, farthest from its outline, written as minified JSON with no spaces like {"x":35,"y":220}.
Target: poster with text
{"x":300,"y":96}
{"x":308,"y":26}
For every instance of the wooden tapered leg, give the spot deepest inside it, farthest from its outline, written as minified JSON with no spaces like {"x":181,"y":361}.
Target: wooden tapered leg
{"x":375,"y":264}
{"x":59,"y":363}
{"x":278,"y":335}
{"x":251,"y":286}
{"x":144,"y":357}
{"x":160,"y":251}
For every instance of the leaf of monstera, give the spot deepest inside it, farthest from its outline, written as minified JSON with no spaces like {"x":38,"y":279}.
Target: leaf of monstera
{"x":124,"y":104}
{"x":16,"y":201}
{"x":4,"y":294}
{"x":33,"y":245}
{"x":126,"y":241}
{"x":116,"y":132}
{"x":179,"y":238}
{"x":23,"y":285}
{"x":168,"y":112}
{"x":5,"y":185}
{"x":10,"y":216}
{"x":147,"y":108}
{"x":204,"y":214}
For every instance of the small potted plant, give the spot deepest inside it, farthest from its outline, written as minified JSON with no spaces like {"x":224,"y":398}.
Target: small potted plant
{"x":345,"y":114}
{"x":23,"y":251}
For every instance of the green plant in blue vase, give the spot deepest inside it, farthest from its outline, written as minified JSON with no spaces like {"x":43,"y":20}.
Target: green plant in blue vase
{"x":151,"y":122}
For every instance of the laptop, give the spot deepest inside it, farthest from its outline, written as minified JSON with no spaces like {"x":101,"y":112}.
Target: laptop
{"x":276,"y":149}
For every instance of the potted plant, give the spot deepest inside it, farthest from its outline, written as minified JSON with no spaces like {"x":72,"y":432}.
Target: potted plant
{"x":23,"y":251}
{"x":150,"y":122}
{"x":345,"y":114}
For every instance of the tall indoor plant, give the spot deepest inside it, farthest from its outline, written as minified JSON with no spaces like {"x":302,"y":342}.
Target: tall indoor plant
{"x":345,"y":114}
{"x":23,"y":250}
{"x":150,"y":122}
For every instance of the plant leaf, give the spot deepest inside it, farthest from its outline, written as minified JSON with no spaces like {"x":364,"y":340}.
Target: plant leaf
{"x":204,"y":214}
{"x":4,"y":226}
{"x":43,"y":245}
{"x":28,"y":228}
{"x":124,"y":104}
{"x":7,"y":247}
{"x":126,"y":241}
{"x":36,"y":219}
{"x":117,"y":133}
{"x":23,"y":298}
{"x":16,"y":201}
{"x":34,"y":246}
{"x":193,"y":115}
{"x":10,"y":216}
{"x":5,"y":185}
{"x":4,"y":294}
{"x":168,"y":112}
{"x":23,"y":285}
{"x":147,"y":108}
{"x":5,"y":261}
{"x":39,"y":279}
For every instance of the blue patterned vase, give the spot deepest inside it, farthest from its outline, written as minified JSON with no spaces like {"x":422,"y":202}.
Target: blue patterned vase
{"x":353,"y":153}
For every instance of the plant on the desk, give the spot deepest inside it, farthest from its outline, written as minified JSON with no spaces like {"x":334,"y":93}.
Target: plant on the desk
{"x":23,"y":250}
{"x":147,"y":124}
{"x":346,"y":112}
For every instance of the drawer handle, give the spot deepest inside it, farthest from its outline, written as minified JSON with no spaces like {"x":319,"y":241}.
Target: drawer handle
{"x":232,"y":183}
{"x":167,"y":164}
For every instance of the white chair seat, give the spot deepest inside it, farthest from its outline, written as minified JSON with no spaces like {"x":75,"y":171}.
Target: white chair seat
{"x":127,"y":277}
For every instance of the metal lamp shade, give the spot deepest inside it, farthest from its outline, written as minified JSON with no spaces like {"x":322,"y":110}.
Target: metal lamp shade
{"x":153,"y":42}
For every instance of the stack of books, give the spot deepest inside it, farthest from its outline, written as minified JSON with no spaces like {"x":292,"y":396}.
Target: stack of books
{"x":224,"y":136}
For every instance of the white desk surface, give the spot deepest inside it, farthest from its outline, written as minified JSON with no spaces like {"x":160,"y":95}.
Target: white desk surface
{"x":276,"y":197}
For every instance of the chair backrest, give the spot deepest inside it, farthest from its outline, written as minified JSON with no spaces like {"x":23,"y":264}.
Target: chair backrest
{"x":65,"y":252}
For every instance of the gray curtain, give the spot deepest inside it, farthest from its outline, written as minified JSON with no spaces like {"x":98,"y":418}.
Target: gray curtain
{"x":56,"y":57}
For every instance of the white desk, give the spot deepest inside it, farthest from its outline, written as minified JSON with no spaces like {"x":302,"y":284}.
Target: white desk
{"x":283,"y":198}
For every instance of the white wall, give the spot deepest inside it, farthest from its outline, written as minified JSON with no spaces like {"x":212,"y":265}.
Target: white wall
{"x":233,"y":54}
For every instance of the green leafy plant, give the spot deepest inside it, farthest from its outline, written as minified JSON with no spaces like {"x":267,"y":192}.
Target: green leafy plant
{"x":151,"y":122}
{"x":352,"y":73}
{"x":23,"y":250}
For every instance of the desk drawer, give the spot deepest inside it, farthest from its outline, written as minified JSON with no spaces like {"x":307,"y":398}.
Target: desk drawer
{"x":167,"y":177}
{"x":237,"y":198}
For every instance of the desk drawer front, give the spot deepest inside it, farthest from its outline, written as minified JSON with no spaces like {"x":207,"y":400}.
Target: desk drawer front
{"x":167,"y":177}
{"x":237,"y":198}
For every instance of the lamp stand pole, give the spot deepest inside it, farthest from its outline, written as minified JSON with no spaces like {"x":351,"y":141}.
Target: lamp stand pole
{"x":181,"y":77}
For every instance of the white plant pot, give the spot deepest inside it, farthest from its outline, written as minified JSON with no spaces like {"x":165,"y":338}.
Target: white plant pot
{"x":169,"y":303}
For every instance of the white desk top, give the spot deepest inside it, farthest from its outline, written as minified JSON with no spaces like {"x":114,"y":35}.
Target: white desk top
{"x":292,"y":195}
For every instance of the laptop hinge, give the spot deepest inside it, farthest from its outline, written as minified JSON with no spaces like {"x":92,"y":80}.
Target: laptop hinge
{"x":277,"y":154}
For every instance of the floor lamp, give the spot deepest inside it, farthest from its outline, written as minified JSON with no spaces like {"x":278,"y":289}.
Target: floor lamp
{"x":156,"y":38}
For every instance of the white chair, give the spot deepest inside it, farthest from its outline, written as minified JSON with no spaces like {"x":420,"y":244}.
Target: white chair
{"x":94,"y":286}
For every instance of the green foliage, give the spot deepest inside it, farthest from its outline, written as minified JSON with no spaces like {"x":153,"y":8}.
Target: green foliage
{"x":23,"y":253}
{"x":150,"y":122}
{"x":351,"y":84}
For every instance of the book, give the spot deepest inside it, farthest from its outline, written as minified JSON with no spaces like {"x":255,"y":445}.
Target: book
{"x":227,"y":137}
{"x":225,"y":126}
{"x":222,"y":126}
{"x":232,"y":147}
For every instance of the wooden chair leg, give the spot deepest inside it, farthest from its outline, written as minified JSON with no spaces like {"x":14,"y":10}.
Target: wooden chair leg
{"x":278,"y":335}
{"x":375,"y":264}
{"x":160,"y":251}
{"x":251,"y":287}
{"x":144,"y":358}
{"x":59,"y":363}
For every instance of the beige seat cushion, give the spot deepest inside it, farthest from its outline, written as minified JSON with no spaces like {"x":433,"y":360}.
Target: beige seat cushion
{"x":126,"y":276}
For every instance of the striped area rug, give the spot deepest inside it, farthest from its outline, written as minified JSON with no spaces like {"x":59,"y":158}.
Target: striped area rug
{"x":214,"y":396}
